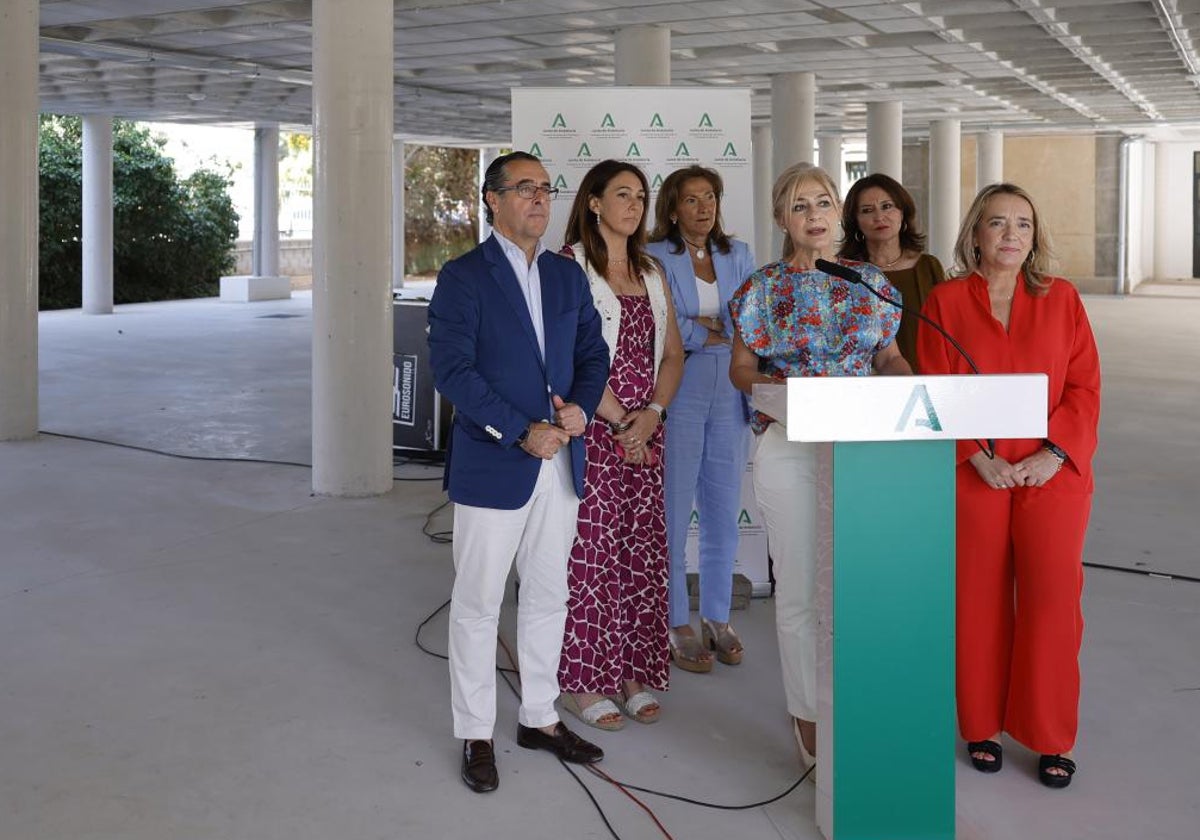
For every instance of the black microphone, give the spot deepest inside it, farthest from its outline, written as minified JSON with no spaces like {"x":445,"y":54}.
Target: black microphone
{"x":851,"y":276}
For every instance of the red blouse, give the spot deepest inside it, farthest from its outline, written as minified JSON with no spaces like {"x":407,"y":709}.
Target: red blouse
{"x":1047,"y":334}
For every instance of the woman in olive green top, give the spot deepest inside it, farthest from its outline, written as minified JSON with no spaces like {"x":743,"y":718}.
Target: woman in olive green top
{"x":880,"y":222}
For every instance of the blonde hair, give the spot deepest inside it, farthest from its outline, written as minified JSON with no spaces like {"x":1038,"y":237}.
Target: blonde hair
{"x":1041,"y":256}
{"x":785,"y":188}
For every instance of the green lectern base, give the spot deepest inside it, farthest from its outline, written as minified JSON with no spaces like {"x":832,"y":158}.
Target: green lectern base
{"x":886,"y":648}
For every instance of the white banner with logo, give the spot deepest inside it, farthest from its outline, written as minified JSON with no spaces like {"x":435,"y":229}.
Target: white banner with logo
{"x":659,"y":129}
{"x":752,"y":538}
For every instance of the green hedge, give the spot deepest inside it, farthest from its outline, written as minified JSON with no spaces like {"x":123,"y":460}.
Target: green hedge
{"x":172,"y":238}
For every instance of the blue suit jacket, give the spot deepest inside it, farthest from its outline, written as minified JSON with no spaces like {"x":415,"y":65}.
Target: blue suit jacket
{"x":485,"y":360}
{"x":732,"y":269}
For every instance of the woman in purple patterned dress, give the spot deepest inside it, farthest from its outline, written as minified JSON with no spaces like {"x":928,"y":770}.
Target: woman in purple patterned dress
{"x":794,"y":320}
{"x":615,"y":645}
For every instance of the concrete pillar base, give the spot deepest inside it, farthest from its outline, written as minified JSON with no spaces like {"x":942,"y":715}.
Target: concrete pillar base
{"x":244,"y":288}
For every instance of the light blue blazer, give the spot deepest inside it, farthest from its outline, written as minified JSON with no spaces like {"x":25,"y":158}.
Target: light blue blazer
{"x":732,"y":269}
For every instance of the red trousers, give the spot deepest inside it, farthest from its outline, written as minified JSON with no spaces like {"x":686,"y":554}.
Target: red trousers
{"x":1019,"y":619}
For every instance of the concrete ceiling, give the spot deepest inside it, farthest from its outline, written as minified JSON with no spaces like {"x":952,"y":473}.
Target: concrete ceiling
{"x":1008,"y":64}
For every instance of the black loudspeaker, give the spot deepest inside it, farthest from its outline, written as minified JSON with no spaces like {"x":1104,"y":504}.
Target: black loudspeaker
{"x":420,"y":415}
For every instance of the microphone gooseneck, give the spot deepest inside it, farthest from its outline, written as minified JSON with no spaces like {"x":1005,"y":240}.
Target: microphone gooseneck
{"x":851,"y":276}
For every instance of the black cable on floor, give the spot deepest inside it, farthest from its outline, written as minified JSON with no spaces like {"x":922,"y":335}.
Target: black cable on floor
{"x":504,"y":672}
{"x":438,"y":537}
{"x":591,"y":796}
{"x":700,"y":803}
{"x":1145,"y":572}
{"x":221,"y":459}
{"x":421,"y":645}
{"x":624,"y":787}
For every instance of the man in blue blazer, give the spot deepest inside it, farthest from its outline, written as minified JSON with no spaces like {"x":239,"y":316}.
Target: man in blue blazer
{"x":515,"y":345}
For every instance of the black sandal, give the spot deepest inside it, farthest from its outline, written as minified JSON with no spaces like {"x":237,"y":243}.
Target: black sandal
{"x":1055,"y":762}
{"x":991,"y":748}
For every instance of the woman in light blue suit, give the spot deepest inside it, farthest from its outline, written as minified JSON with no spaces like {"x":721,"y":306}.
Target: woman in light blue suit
{"x":707,"y":431}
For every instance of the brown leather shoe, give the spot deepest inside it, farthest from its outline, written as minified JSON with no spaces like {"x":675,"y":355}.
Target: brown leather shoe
{"x":563,"y":743}
{"x":479,"y":766}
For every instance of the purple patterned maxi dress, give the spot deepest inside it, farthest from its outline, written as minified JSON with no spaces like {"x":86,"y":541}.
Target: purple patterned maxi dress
{"x":617,"y":609}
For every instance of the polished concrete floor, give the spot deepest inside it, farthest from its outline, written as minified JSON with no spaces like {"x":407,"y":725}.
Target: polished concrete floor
{"x":204,"y":650}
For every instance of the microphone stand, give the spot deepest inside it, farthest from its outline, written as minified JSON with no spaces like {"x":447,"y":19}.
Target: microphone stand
{"x":851,"y":276}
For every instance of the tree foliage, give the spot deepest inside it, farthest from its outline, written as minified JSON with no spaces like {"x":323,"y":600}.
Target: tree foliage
{"x":172,"y":238}
{"x":441,"y":205}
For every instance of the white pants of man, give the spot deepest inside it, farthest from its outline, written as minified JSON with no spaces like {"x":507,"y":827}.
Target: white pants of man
{"x":486,"y":540}
{"x":785,"y":488}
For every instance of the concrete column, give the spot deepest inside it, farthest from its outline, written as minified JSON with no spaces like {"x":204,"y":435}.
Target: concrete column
{"x":352,"y":247}
{"x":397,"y":213}
{"x":764,"y":221}
{"x":793,"y":118}
{"x":18,"y":219}
{"x":829,"y":147}
{"x":945,"y":165}
{"x":643,"y":55}
{"x":265,"y":262}
{"x":486,"y":155}
{"x":97,"y":214}
{"x":885,"y":138}
{"x":989,"y":159}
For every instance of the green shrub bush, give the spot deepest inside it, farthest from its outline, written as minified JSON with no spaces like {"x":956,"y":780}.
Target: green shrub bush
{"x":172,"y":238}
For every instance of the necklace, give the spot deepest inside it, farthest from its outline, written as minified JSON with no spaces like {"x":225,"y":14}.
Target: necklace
{"x":1000,"y":297}
{"x":699,"y":248}
{"x":899,"y":257}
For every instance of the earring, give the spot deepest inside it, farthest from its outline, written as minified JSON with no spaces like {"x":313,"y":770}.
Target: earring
{"x":858,"y":236}
{"x":903,"y":226}
{"x":674,"y":220}
{"x":975,"y":252}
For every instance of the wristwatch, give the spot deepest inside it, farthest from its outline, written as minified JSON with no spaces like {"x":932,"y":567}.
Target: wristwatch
{"x":662,"y":412}
{"x":1057,"y":451}
{"x":524,"y":436}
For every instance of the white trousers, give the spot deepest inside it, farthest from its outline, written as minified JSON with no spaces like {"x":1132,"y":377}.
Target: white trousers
{"x":785,"y":487}
{"x":486,"y":540}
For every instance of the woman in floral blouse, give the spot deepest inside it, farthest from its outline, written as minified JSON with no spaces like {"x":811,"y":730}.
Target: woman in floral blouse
{"x":793,"y":320}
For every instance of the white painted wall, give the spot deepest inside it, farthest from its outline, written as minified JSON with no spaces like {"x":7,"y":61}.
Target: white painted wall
{"x":1143,"y":268}
{"x":1173,"y":217}
{"x":1140,"y":208}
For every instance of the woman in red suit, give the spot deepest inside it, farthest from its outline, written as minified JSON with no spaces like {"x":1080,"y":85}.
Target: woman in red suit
{"x":1022,"y":514}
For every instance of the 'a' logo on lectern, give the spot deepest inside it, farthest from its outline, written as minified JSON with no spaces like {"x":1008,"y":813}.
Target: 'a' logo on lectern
{"x":930,"y":421}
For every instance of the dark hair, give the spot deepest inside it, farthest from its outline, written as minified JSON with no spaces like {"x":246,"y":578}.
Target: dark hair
{"x":583,"y":224}
{"x":668,"y":204}
{"x":854,"y":245}
{"x":1041,"y":256}
{"x":493,"y":179}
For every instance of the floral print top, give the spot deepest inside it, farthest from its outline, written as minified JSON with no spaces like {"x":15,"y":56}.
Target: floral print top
{"x":807,"y":323}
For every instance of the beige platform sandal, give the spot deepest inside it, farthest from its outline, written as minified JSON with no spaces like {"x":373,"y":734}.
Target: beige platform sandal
{"x":722,"y":639}
{"x":688,"y":653}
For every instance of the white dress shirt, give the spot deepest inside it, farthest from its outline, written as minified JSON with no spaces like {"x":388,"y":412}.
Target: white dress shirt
{"x":530,"y":281}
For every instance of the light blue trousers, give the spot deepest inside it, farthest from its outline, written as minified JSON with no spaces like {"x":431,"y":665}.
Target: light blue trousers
{"x":707,"y":439}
